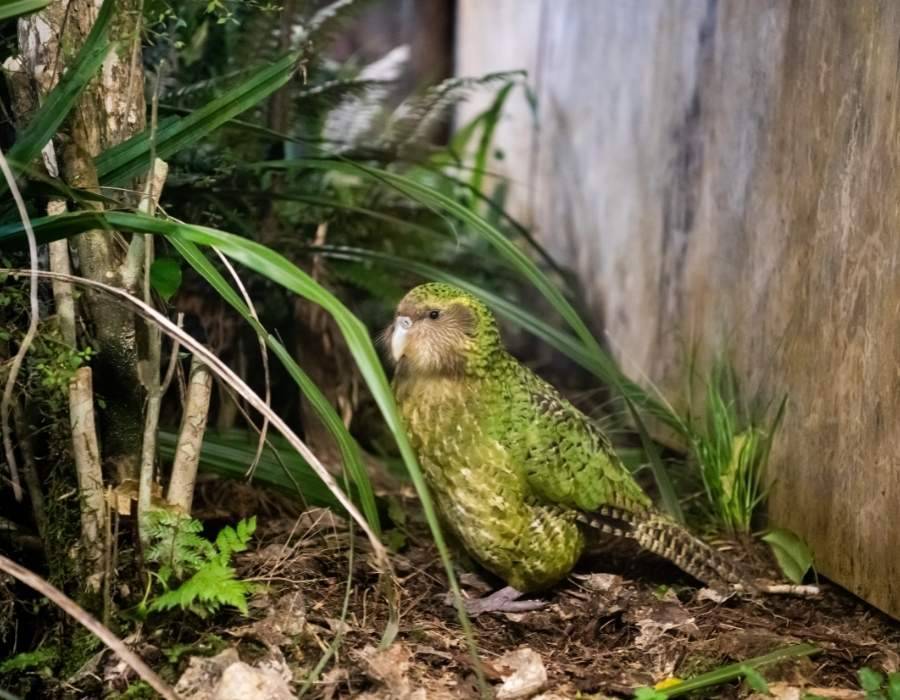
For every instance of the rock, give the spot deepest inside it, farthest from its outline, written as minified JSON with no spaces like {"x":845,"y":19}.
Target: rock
{"x":241,"y":681}
{"x":523,"y":674}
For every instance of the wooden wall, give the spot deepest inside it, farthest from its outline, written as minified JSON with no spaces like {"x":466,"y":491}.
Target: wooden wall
{"x":727,"y":175}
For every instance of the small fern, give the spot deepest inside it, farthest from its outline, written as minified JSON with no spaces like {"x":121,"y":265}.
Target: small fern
{"x":196,"y":574}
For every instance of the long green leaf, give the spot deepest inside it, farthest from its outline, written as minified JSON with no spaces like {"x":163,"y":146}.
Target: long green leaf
{"x":738,"y":670}
{"x":436,"y":200}
{"x":663,"y":481}
{"x":63,"y":97}
{"x":119,"y":164}
{"x":229,"y":455}
{"x":348,"y":447}
{"x":14,"y":8}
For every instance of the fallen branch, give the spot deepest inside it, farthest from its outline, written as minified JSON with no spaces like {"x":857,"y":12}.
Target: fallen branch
{"x":83,"y":617}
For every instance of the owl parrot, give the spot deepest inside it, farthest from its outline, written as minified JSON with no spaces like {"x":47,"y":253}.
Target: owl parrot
{"x":520,"y":476}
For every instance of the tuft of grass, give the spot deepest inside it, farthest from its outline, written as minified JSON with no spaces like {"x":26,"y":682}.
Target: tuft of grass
{"x":730,"y":446}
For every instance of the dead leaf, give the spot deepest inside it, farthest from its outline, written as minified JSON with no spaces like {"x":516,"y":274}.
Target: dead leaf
{"x":390,"y":667}
{"x":523,"y":674}
{"x":602,"y":583}
{"x":655,"y":620}
{"x":714,"y":595}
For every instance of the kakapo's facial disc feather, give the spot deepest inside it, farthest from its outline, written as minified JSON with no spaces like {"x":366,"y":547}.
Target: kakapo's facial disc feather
{"x":519,"y":474}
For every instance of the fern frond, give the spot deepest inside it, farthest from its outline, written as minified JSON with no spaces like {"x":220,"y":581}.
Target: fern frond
{"x":213,"y":586}
{"x":355,"y":118}
{"x":322,"y":26}
{"x":416,"y":116}
{"x":230,"y":540}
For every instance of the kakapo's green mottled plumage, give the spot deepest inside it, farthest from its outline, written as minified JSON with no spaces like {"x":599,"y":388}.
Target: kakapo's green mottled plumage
{"x":520,"y":476}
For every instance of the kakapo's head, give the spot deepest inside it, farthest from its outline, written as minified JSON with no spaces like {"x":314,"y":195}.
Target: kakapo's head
{"x":439,"y":329}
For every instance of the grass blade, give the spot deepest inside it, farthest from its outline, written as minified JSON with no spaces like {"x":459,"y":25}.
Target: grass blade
{"x":14,"y":8}
{"x":666,"y":488}
{"x":733,"y":671}
{"x":228,"y":454}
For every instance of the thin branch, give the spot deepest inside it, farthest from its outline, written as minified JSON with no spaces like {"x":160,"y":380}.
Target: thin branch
{"x":264,"y":354}
{"x":150,"y":376}
{"x":173,"y":357}
{"x":226,"y":374}
{"x":190,"y":437}
{"x":83,"y":617}
{"x":6,"y":403}
{"x":86,"y":454}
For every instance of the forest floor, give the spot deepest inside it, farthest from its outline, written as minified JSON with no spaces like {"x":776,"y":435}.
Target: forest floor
{"x":623,"y":620}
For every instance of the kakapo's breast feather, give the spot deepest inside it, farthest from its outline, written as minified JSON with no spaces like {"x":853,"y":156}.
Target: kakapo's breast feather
{"x":482,"y":494}
{"x":512,"y":466}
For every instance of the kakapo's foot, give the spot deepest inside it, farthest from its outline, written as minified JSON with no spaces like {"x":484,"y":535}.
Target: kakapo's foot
{"x":504,"y":600}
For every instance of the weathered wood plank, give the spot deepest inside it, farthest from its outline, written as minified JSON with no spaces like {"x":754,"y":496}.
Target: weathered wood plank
{"x":727,"y":175}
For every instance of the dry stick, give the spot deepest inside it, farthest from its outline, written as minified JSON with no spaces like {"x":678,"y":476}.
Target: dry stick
{"x":173,"y":357}
{"x":86,"y":452}
{"x":264,"y":354}
{"x":190,"y":438}
{"x":6,"y":402}
{"x":140,"y":255}
{"x":155,"y":180}
{"x":226,"y":374}
{"x":82,"y":616}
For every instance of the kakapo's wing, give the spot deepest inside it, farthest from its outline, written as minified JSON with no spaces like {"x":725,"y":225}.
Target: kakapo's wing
{"x":566,"y":459}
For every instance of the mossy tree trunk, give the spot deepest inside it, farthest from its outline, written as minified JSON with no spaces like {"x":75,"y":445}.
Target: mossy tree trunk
{"x":110,"y":110}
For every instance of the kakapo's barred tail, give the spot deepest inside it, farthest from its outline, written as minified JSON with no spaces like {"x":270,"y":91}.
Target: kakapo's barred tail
{"x":659,"y":534}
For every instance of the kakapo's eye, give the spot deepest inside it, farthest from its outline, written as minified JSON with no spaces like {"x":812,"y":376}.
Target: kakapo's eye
{"x":433,"y":314}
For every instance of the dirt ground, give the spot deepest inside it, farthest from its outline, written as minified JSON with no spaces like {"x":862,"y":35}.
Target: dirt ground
{"x":623,"y":620}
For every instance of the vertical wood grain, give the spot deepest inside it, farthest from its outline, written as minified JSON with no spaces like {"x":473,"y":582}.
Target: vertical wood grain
{"x":727,"y":176}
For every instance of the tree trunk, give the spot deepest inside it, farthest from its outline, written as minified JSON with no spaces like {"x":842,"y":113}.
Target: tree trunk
{"x":110,"y":110}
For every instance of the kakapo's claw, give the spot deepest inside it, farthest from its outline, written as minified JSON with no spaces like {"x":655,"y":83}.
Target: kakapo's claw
{"x":504,"y":600}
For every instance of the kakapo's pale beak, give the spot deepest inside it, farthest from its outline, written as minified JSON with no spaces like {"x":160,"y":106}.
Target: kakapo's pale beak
{"x":402,"y":325}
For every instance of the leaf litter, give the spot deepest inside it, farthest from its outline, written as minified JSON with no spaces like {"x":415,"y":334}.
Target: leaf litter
{"x":623,"y":620}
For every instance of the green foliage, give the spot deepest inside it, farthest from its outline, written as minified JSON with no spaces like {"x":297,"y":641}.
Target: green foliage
{"x":44,"y":657}
{"x":748,"y":670}
{"x":165,"y":277}
{"x":793,"y":554}
{"x":649,"y":694}
{"x":877,"y":686}
{"x":14,"y":8}
{"x":730,"y":447}
{"x":196,"y":574}
{"x":754,"y":679}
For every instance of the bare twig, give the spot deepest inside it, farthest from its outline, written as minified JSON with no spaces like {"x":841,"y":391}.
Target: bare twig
{"x":6,"y":402}
{"x":226,"y":374}
{"x":799,"y":590}
{"x":173,"y":357}
{"x":83,"y":617}
{"x":190,"y":437}
{"x":264,"y":354}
